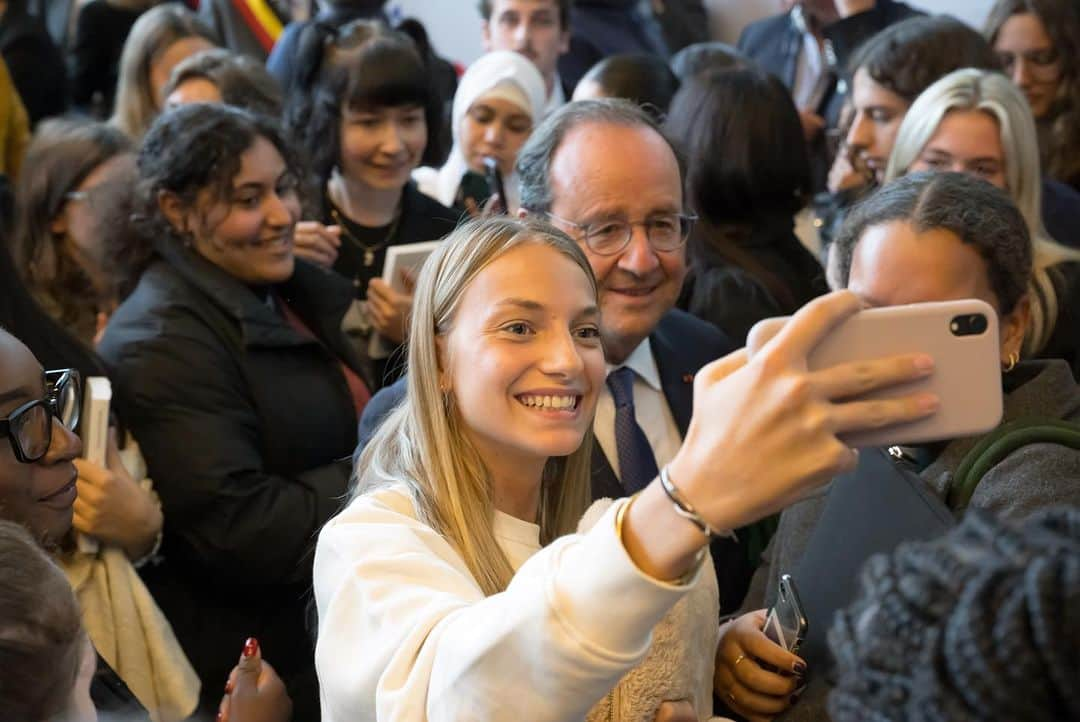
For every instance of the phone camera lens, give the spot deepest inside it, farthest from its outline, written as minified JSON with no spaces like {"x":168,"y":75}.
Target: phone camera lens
{"x":973,"y":324}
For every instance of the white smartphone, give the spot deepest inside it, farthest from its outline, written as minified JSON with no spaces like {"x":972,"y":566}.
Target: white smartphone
{"x":962,"y":338}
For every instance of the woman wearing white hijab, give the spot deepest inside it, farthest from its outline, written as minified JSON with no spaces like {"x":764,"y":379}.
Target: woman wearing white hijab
{"x":500,"y":98}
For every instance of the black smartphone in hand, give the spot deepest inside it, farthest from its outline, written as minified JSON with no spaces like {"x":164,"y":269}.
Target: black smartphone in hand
{"x":495,"y":182}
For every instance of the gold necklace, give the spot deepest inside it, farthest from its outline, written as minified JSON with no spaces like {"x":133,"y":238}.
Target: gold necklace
{"x":369,"y":249}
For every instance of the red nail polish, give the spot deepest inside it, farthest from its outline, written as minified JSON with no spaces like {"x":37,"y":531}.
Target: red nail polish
{"x":251,"y":646}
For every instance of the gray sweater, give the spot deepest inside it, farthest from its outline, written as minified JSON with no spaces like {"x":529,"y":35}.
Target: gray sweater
{"x":1033,"y":477}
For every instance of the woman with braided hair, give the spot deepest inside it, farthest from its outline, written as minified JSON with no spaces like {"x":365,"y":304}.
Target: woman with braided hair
{"x":925,"y":237}
{"x":952,"y":629}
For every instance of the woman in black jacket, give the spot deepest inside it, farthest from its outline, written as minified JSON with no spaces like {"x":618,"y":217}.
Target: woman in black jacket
{"x":748,"y":175}
{"x":230,"y":367}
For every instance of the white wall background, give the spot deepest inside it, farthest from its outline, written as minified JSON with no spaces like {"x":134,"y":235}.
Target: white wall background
{"x":454,"y":25}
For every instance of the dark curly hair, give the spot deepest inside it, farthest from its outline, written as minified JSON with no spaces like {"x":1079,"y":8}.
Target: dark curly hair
{"x":1061,"y":18}
{"x":909,"y":56}
{"x":983,"y":624}
{"x":980,"y":214}
{"x":361,"y":65}
{"x":188,"y":150}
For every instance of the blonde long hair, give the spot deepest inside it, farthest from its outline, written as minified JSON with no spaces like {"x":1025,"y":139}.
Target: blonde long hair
{"x":993,"y":93}
{"x":422,"y":444}
{"x":152,"y":34}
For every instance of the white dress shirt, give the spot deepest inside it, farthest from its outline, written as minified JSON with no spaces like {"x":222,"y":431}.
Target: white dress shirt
{"x":650,"y":409}
{"x":811,"y":74}
{"x":556,"y":98}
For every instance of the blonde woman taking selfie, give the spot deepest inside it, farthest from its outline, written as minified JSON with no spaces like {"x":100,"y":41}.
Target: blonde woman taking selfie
{"x":452,"y":586}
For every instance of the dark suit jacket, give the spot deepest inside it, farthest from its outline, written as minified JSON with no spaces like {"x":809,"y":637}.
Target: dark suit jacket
{"x":774,"y":43}
{"x":681,"y":344}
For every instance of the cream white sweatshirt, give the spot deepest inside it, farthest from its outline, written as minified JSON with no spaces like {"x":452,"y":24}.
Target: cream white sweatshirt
{"x":405,"y":633}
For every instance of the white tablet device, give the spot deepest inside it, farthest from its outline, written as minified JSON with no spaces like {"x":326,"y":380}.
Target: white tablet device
{"x":408,"y":257}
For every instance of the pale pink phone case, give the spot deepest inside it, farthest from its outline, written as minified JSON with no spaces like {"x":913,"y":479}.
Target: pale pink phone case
{"x":967,"y":368}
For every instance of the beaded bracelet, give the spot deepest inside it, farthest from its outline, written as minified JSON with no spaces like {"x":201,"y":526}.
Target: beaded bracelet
{"x":683,"y":507}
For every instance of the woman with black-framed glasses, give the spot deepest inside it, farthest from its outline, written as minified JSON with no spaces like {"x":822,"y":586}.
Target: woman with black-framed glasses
{"x":29,"y":427}
{"x":37,"y":469}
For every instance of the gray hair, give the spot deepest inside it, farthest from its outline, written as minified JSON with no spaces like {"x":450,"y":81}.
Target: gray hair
{"x":534,"y":159}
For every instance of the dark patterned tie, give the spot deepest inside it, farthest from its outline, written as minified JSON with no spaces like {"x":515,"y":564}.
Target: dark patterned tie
{"x":637,"y":465}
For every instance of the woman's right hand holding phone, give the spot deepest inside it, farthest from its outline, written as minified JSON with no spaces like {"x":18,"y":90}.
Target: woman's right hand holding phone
{"x":764,"y":433}
{"x":754,"y":676}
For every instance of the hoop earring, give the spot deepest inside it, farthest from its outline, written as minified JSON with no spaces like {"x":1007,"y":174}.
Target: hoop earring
{"x":1014,"y":358}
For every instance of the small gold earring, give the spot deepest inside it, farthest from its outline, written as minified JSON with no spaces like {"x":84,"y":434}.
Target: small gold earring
{"x":1014,"y":358}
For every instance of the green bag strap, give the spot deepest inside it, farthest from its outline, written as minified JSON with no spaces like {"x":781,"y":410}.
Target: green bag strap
{"x":998,"y":444}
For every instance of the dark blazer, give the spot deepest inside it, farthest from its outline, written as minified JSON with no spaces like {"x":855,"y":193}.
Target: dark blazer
{"x":681,"y":345}
{"x":100,"y":32}
{"x":1061,"y":212}
{"x":246,"y":426}
{"x":774,"y":43}
{"x":601,"y":28}
{"x":36,"y":64}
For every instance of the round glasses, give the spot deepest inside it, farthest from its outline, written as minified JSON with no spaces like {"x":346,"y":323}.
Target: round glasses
{"x":29,"y":427}
{"x":665,"y":232}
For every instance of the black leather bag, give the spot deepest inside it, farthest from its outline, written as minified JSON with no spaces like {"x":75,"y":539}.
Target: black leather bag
{"x":870,"y":510}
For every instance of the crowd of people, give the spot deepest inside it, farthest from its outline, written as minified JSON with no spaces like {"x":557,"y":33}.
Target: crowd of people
{"x":537,"y":476}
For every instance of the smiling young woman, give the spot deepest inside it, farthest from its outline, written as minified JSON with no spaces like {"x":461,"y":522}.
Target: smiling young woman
{"x":455,"y":568}
{"x":230,"y":367}
{"x":365,"y":120}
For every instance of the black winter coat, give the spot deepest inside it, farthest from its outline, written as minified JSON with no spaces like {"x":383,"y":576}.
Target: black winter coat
{"x":247,"y":427}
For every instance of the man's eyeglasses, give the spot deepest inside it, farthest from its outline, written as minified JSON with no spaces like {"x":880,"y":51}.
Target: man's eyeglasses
{"x":665,"y":231}
{"x":29,"y":427}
